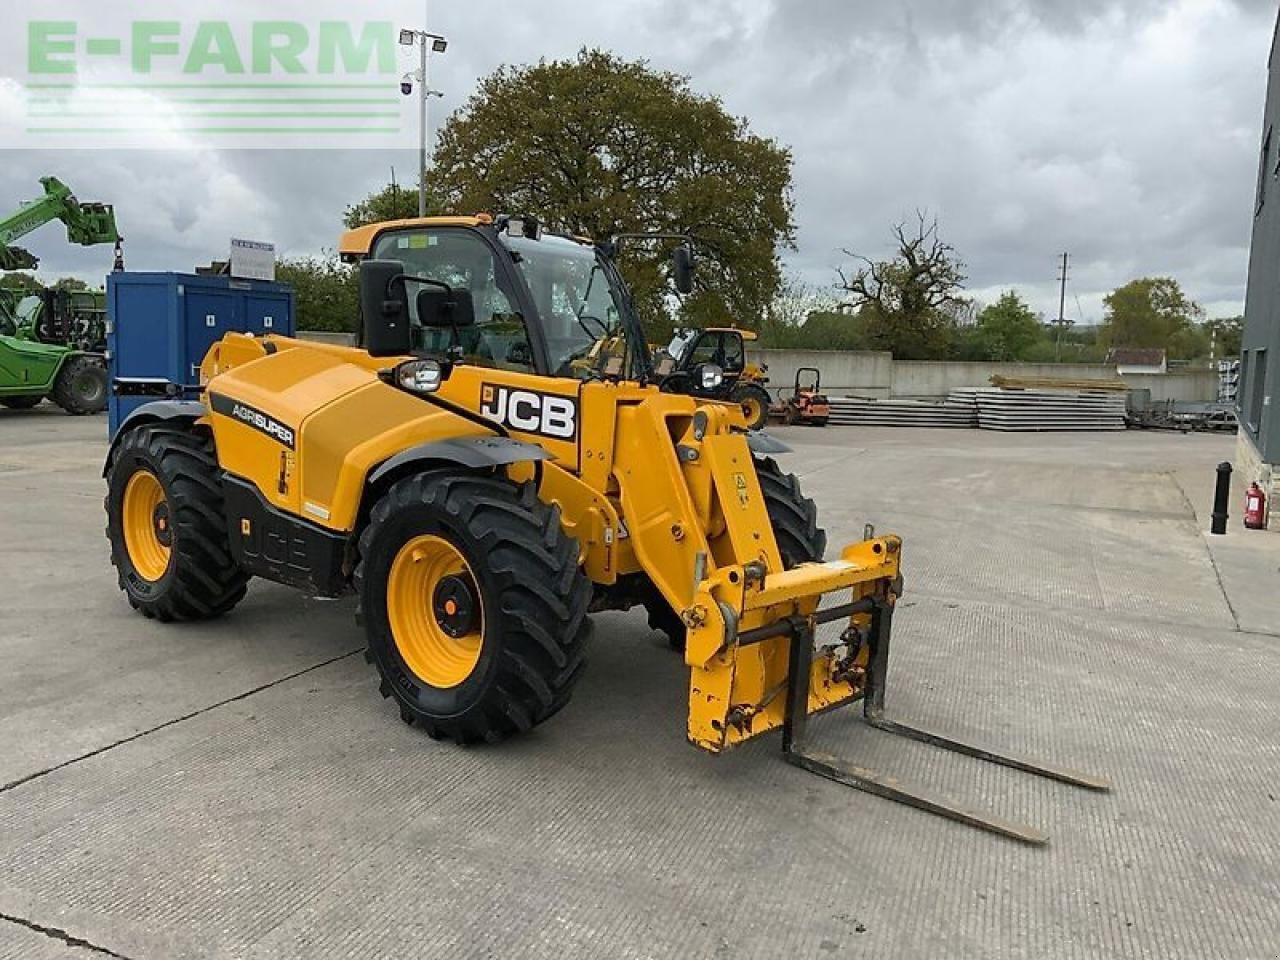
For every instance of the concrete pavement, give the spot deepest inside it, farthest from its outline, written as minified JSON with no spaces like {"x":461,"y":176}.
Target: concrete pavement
{"x":239,"y":789}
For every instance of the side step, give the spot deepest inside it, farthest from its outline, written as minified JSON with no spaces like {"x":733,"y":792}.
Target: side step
{"x":871,"y":781}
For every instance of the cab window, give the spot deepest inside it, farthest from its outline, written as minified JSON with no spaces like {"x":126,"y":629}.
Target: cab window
{"x":462,"y":259}
{"x":707,"y":350}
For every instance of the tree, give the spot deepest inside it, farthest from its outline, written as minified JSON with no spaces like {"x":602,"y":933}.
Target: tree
{"x":392,"y":202}
{"x":1225,"y":335}
{"x":598,"y":146}
{"x":1006,"y":329}
{"x":787,"y":323}
{"x":326,"y":292}
{"x":910,"y":305}
{"x":1153,"y":312}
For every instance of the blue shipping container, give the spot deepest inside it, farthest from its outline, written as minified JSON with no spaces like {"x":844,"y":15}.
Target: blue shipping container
{"x":160,"y":326}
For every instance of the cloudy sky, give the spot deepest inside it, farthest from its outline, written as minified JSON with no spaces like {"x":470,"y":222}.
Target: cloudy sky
{"x":1124,"y":132}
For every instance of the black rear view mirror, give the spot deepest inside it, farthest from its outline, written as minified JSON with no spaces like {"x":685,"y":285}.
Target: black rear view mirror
{"x":384,"y":309}
{"x":445,"y":308}
{"x":682,"y":269}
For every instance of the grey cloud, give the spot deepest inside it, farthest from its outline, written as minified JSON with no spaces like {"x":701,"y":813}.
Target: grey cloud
{"x":1125,"y":133}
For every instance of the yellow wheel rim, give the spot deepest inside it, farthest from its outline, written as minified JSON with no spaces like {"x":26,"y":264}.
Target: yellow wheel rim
{"x":751,"y":409}
{"x":435,"y":612}
{"x":148,"y":534}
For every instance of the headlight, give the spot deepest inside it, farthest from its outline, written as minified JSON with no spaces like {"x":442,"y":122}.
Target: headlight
{"x":710,"y":375}
{"x":419,"y":376}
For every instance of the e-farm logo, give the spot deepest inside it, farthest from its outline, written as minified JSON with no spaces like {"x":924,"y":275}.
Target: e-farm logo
{"x":288,"y":73}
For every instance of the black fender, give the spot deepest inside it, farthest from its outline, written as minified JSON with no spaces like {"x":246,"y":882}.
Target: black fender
{"x":760,"y":442}
{"x":157,"y":411}
{"x":474,"y":453}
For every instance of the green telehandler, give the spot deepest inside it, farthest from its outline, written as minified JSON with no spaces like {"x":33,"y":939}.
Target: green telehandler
{"x":62,"y":369}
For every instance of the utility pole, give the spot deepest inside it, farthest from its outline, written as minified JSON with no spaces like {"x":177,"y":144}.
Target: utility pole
{"x":1062,"y":297}
{"x":1062,"y":306}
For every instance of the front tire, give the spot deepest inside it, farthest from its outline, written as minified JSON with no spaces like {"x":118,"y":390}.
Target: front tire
{"x":754,"y":400}
{"x":794,"y":519}
{"x":167,"y":528}
{"x":81,"y":386}
{"x":473,"y":604}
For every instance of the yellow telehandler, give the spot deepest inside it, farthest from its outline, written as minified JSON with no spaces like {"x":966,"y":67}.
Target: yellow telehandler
{"x":492,"y":464}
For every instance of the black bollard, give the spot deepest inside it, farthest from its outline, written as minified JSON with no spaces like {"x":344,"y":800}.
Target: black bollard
{"x":1221,"y":494}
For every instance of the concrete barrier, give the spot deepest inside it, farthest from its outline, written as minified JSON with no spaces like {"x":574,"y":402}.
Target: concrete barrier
{"x":326,"y":336}
{"x":844,"y":372}
{"x":877,"y":375}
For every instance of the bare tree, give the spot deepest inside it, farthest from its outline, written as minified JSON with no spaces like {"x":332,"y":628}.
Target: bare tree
{"x":909,"y":304}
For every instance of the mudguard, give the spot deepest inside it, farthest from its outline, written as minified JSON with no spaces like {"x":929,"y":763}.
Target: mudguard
{"x":155,"y":412}
{"x":760,"y":442}
{"x":475,"y":453}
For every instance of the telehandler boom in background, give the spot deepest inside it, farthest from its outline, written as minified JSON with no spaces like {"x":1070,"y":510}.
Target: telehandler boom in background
{"x":492,"y":466}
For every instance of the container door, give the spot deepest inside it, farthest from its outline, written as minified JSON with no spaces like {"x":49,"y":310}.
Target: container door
{"x":265,"y":315}
{"x":210,"y":314}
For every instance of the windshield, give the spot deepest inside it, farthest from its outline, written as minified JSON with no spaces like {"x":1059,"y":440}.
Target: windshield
{"x":27,"y":306}
{"x":580,"y":313}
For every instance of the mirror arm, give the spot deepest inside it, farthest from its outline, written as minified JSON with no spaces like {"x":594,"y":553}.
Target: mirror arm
{"x":425,"y":281}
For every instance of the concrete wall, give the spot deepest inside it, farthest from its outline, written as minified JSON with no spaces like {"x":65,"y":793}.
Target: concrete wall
{"x":878,"y":375}
{"x":324,"y":336}
{"x":937,"y":378}
{"x":844,"y":372}
{"x":1190,"y":386}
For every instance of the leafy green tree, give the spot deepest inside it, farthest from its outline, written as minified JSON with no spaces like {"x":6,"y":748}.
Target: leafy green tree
{"x":910,"y":305}
{"x":22,"y":284}
{"x":1006,"y":329}
{"x":598,"y":146}
{"x":800,"y":317}
{"x":326,"y":292}
{"x":1225,"y":334}
{"x":1154,"y":312}
{"x":392,"y":202}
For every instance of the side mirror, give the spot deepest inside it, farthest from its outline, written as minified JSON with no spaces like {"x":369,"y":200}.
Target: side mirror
{"x":384,"y":309}
{"x":445,"y":308}
{"x":682,"y":269}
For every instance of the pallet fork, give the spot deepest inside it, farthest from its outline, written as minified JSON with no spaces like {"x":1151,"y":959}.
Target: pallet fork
{"x":800,"y":631}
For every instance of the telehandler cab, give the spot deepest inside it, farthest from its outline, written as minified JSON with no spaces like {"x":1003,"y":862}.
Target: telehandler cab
{"x":491,"y":467}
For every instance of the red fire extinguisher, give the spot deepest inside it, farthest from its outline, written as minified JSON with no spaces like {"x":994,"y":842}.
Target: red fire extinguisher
{"x":1255,"y":508}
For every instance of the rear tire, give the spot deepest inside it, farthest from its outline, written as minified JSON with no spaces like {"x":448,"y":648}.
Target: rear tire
{"x":81,"y":386}
{"x":794,"y":518}
{"x":21,"y":403}
{"x":503,"y":555}
{"x":754,"y":400}
{"x":178,"y":567}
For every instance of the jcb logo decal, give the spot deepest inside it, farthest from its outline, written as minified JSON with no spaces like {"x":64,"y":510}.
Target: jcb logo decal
{"x":528,"y":411}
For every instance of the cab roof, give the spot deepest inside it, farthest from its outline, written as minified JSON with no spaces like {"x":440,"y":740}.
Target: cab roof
{"x":746,"y":334}
{"x":357,"y":243}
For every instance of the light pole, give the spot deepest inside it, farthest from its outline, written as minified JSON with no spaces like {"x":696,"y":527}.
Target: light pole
{"x":438,"y":45}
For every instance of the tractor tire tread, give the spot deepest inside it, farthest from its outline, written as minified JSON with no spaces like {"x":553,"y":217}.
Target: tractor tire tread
{"x":64,"y":393}
{"x":205,"y":580}
{"x":542,"y":599}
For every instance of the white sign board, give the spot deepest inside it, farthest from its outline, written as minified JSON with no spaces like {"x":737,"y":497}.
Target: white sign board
{"x":251,"y":260}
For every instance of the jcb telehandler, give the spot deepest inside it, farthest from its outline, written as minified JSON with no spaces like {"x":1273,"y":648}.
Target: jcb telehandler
{"x":712,"y":364}
{"x":483,"y":487}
